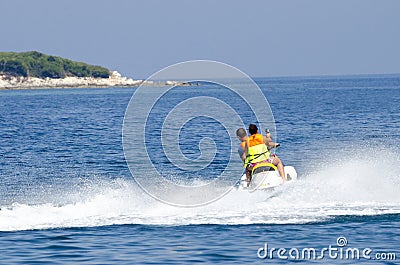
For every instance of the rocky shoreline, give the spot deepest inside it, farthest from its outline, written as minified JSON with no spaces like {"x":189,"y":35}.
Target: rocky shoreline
{"x":114,"y":80}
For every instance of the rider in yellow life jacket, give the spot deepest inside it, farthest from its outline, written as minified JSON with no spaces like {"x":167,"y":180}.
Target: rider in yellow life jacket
{"x":256,"y":151}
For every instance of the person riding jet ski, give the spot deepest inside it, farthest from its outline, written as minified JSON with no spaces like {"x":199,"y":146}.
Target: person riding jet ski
{"x":256,"y":153}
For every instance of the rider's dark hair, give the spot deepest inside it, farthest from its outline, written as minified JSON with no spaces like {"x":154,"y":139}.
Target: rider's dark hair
{"x":253,"y":129}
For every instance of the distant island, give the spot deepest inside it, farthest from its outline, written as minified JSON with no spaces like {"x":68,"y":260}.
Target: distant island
{"x":27,"y":70}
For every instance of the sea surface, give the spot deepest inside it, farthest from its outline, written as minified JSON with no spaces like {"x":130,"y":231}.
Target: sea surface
{"x":67,"y":195}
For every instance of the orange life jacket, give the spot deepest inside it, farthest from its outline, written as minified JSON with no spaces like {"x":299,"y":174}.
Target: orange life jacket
{"x":255,"y":139}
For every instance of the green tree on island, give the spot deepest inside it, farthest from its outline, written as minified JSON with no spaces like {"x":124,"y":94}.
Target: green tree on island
{"x":36,"y":64}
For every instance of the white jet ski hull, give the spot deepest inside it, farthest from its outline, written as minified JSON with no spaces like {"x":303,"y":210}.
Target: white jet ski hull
{"x":268,"y":179}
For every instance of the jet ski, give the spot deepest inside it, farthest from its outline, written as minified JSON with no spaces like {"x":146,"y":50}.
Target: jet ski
{"x":265,"y":176}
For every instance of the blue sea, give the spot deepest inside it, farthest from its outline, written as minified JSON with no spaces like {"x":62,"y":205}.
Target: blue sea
{"x":67,"y":195}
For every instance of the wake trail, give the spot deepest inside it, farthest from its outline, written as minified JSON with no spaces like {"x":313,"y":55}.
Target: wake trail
{"x":357,"y":184}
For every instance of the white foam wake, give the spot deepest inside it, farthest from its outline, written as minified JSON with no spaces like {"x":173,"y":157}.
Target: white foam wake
{"x":357,"y":184}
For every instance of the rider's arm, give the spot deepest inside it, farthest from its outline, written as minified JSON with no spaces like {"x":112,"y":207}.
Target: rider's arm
{"x":268,"y":142}
{"x":244,"y":153}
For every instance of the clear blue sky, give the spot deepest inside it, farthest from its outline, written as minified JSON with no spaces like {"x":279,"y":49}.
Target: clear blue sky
{"x":262,"y":38}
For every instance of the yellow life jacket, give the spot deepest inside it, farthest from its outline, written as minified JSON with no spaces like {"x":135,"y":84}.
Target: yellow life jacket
{"x":257,"y":151}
